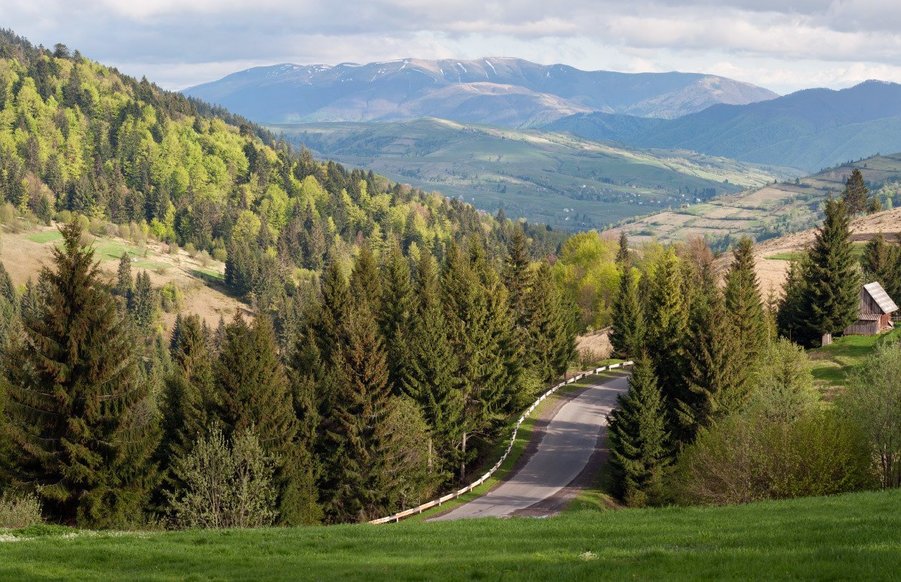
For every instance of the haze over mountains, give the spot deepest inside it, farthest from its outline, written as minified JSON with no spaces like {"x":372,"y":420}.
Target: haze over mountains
{"x":808,"y":130}
{"x":498,"y":91}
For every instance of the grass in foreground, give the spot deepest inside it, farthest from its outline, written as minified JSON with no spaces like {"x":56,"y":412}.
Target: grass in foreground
{"x":852,"y":536}
{"x":833,"y":364}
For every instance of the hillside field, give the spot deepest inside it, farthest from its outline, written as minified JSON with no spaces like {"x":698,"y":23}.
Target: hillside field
{"x":551,"y":178}
{"x":853,"y":536}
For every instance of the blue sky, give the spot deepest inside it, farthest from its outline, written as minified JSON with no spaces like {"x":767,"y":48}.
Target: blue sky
{"x":782,"y":45}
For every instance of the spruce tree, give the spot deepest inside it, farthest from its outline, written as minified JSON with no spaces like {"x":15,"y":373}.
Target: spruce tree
{"x":640,"y":451}
{"x":791,"y":310}
{"x":142,"y":302}
{"x":879,"y":263}
{"x":744,"y":306}
{"x":398,"y":308}
{"x":628,"y":324}
{"x":832,"y":281}
{"x":517,"y":277}
{"x":718,"y":366}
{"x":623,"y":255}
{"x":365,"y":283}
{"x":666,"y":314}
{"x":432,"y":380}
{"x":124,"y":281}
{"x":550,"y":337}
{"x":856,"y":194}
{"x":79,"y":411}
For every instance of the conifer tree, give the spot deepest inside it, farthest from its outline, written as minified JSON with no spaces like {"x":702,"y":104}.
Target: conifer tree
{"x":124,"y":281}
{"x":667,"y":326}
{"x":623,"y":255}
{"x":517,"y":277}
{"x":396,"y":316}
{"x":7,"y":289}
{"x":856,"y":194}
{"x":357,"y":458}
{"x":640,"y":451}
{"x":791,"y":311}
{"x":365,"y":282}
{"x":832,"y":278}
{"x":432,"y":380}
{"x":628,"y":317}
{"x":254,"y":394}
{"x":717,"y":371}
{"x":880,"y":263}
{"x":744,"y":306}
{"x":142,"y":302}
{"x":551,"y":339}
{"x":79,"y":412}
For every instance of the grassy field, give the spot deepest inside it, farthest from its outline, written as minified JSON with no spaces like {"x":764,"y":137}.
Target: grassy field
{"x":552,"y":178}
{"x":768,"y":211}
{"x":853,"y":536}
{"x":834,"y":364}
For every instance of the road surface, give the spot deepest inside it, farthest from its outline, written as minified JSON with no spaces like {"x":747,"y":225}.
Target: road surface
{"x":568,"y":443}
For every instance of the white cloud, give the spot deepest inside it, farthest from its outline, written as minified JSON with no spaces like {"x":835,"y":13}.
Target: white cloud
{"x":782,"y":44}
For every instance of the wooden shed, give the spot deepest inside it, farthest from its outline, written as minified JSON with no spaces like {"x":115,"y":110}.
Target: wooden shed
{"x":875,"y":312}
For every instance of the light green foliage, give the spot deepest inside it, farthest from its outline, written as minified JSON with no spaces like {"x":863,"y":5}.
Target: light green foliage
{"x":783,"y":386}
{"x":873,"y":400}
{"x":19,"y":510}
{"x":228,"y":483}
{"x":586,"y":270}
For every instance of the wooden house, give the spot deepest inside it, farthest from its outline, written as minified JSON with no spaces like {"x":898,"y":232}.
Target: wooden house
{"x":875,"y":311}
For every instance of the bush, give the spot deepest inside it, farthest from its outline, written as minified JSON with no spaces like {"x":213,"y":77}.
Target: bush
{"x":171,"y":297}
{"x":226,"y":484}
{"x":18,"y":511}
{"x":751,"y":456}
{"x":191,"y":250}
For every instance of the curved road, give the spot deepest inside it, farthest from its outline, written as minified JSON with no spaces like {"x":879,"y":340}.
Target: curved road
{"x":568,"y":443}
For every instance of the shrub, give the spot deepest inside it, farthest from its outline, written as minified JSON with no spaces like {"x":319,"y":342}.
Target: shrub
{"x":226,"y":484}
{"x":18,"y":511}
{"x":171,"y":297}
{"x":191,"y":250}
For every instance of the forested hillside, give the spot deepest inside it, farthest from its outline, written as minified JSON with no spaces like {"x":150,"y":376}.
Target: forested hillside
{"x":385,"y":352}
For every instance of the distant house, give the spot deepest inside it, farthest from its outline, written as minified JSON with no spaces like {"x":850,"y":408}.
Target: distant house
{"x":875,"y":311}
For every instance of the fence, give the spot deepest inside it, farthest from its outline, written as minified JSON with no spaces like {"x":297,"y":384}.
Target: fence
{"x":454,"y":494}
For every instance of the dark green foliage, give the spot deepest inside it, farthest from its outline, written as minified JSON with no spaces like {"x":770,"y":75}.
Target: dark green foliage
{"x":856,"y":194}
{"x":551,"y":337}
{"x":78,"y":408}
{"x":142,"y":302}
{"x":365,"y":282}
{"x":791,"y":311}
{"x":832,"y":277}
{"x":744,"y":309}
{"x":396,"y":317}
{"x":124,"y":281}
{"x":623,"y":255}
{"x":629,"y":325}
{"x":881,"y":262}
{"x":517,"y":277}
{"x":640,"y":452}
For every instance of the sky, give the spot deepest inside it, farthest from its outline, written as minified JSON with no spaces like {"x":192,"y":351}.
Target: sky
{"x":783,"y":45}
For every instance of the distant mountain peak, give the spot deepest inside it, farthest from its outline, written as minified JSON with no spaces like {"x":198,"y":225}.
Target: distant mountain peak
{"x":524,"y":93}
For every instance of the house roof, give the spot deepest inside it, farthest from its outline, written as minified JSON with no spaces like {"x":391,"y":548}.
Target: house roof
{"x":881,"y":298}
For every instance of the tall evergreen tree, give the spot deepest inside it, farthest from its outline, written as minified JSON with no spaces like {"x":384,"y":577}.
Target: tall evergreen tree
{"x":628,"y":317}
{"x":744,"y":306}
{"x":517,"y":277}
{"x":623,"y":254}
{"x":398,"y":309}
{"x":880,"y":263}
{"x":667,"y":325}
{"x":551,"y":339}
{"x":142,"y":302}
{"x":124,"y":281}
{"x":792,"y":311}
{"x":365,"y":282}
{"x":79,"y":411}
{"x":640,"y":451}
{"x":856,"y":194}
{"x":832,"y":280}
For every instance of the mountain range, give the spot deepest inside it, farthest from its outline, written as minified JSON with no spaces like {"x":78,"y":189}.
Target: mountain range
{"x":808,"y":130}
{"x":498,"y":91}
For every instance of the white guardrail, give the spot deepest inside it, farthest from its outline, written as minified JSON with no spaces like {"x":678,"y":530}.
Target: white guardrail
{"x":454,"y":494}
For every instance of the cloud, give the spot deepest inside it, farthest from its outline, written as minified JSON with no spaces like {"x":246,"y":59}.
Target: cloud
{"x":782,"y":44}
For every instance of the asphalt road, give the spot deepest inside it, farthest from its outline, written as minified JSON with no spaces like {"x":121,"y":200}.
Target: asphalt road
{"x":567,"y":445}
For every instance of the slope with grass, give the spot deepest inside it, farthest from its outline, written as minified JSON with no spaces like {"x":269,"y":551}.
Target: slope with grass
{"x":852,"y":536}
{"x":24,"y":250}
{"x":551,"y":178}
{"x":770,"y":211}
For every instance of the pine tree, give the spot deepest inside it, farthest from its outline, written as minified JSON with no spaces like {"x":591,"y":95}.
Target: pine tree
{"x":550,"y":337}
{"x":517,"y":277}
{"x":432,"y":380}
{"x":365,"y":283}
{"x":717,"y":363}
{"x":142,"y":302}
{"x":791,"y":311}
{"x":254,"y":392}
{"x":667,"y":326}
{"x":7,"y":289}
{"x":79,"y":412}
{"x":396,"y":316}
{"x":628,"y":317}
{"x":623,"y":255}
{"x":744,"y":306}
{"x":640,"y":452}
{"x":877,"y":261}
{"x":832,"y":288}
{"x":124,"y":282}
{"x":856,"y":194}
